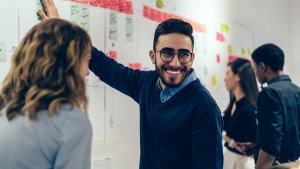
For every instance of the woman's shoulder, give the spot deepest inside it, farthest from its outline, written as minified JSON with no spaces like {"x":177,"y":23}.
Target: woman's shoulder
{"x":65,"y":115}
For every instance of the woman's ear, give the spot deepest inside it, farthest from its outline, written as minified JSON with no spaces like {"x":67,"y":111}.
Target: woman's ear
{"x":152,"y":56}
{"x":238,"y":78}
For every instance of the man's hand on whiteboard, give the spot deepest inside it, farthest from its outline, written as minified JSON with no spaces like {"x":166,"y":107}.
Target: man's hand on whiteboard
{"x":51,"y":10}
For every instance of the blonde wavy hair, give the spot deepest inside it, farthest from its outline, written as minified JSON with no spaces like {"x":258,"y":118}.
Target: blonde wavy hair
{"x":46,"y":70}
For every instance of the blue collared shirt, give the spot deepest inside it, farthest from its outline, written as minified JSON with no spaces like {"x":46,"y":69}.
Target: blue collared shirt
{"x":168,"y":92}
{"x":56,"y":142}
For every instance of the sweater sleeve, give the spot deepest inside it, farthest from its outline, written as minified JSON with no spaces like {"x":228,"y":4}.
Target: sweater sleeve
{"x":206,"y":138}
{"x":124,"y":79}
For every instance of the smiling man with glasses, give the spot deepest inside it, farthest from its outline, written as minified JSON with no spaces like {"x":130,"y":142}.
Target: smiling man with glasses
{"x":180,"y":123}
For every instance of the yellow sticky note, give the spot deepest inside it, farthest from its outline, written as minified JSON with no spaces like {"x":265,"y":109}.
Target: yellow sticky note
{"x":243,"y":52}
{"x":225,"y":28}
{"x":249,"y":52}
{"x":160,"y":4}
{"x":229,"y":49}
{"x":214,"y":80}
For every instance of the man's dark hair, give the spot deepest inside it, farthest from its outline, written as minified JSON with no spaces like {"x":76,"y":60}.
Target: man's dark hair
{"x":173,"y":26}
{"x":270,"y":55}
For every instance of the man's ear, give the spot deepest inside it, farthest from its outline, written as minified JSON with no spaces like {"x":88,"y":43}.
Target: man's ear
{"x":193,"y":57}
{"x":263,"y":67}
{"x":152,"y":56}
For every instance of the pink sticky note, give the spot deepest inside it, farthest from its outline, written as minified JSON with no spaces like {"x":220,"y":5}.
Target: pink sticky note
{"x":100,"y":3}
{"x":138,"y":66}
{"x":164,"y":16}
{"x":178,"y":17}
{"x":232,"y":58}
{"x":128,"y":7}
{"x":114,"y":5}
{"x":218,"y":58}
{"x":122,"y":6}
{"x":152,"y":14}
{"x":172,"y":16}
{"x":131,"y":65}
{"x":220,"y":37}
{"x":146,"y":11}
{"x":157,"y":16}
{"x":113,"y":55}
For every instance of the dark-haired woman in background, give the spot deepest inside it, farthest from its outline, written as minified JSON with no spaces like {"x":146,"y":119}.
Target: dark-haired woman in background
{"x":240,"y":117}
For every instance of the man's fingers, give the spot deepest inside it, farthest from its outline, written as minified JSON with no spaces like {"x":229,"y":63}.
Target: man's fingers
{"x":42,"y":14}
{"x":244,"y":143}
{"x":46,"y":3}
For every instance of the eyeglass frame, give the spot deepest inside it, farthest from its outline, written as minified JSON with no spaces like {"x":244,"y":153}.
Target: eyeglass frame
{"x":191,"y":55}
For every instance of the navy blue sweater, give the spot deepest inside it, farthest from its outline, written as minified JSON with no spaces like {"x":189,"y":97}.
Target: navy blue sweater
{"x":182,"y":133}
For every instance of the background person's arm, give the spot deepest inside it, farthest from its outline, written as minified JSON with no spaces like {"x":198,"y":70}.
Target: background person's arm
{"x":264,"y":160}
{"x":270,"y":124}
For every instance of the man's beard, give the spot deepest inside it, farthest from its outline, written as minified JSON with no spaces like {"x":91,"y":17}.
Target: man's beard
{"x":162,"y":71}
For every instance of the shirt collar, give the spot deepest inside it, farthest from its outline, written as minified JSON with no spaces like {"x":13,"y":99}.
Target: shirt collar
{"x":279,"y":78}
{"x":173,"y":90}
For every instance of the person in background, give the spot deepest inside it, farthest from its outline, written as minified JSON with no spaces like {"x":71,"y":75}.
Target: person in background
{"x":43,"y":122}
{"x":240,"y":115}
{"x":180,"y":123}
{"x":278,"y":107}
{"x":290,"y":165}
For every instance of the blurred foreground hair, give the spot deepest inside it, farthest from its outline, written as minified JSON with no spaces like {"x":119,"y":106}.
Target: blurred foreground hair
{"x":46,"y":70}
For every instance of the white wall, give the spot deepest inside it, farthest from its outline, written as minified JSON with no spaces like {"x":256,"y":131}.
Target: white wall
{"x":273,"y":24}
{"x":295,"y":43}
{"x":272,"y":21}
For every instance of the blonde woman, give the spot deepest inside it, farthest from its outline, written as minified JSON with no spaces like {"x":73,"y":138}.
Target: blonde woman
{"x":43,"y":122}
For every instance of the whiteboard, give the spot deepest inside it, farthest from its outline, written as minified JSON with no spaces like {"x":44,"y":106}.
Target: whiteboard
{"x":9,"y":34}
{"x":128,"y":38}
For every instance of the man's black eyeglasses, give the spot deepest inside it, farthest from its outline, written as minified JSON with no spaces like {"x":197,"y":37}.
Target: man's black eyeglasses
{"x":184,"y":56}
